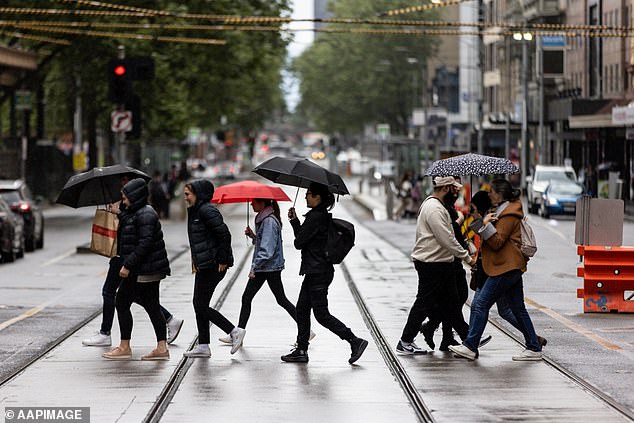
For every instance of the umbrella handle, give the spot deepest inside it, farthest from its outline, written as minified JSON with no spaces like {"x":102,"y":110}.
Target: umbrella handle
{"x":295,"y":200}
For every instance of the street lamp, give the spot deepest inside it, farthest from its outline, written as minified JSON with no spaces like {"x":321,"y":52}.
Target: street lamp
{"x":525,"y":37}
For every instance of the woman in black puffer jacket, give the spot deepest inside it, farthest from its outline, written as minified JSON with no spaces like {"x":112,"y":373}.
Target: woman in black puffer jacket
{"x":210,"y":243}
{"x":142,"y":249}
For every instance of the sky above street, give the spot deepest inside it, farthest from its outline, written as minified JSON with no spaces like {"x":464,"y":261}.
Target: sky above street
{"x":302,"y":9}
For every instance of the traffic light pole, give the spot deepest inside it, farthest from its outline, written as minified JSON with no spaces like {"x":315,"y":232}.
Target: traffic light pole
{"x":120,"y":136}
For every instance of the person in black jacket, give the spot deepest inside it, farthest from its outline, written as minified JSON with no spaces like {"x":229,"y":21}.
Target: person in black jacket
{"x":142,"y":249}
{"x":310,"y":238}
{"x":210,"y":243}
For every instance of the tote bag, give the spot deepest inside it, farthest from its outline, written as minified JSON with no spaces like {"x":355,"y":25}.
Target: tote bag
{"x":104,"y":233}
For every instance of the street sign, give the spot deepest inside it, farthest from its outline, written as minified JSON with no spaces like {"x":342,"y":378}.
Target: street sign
{"x":383,"y":130}
{"x":23,"y":100}
{"x":121,"y":121}
{"x":553,"y":41}
{"x":418,"y":117}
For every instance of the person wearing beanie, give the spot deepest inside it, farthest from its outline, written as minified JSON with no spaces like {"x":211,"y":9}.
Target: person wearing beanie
{"x":311,"y":238}
{"x":141,"y":247}
{"x":210,"y":243}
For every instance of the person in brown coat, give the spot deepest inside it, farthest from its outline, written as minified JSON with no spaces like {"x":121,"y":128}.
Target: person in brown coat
{"x":504,"y":263}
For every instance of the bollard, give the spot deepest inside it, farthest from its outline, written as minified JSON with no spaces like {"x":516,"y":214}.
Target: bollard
{"x":608,"y":276}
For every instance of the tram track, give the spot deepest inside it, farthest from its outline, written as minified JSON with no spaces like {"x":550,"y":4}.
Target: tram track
{"x":423,"y":413}
{"x":171,"y":387}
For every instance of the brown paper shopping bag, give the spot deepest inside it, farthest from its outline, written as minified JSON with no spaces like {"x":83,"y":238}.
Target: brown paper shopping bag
{"x":104,"y":233}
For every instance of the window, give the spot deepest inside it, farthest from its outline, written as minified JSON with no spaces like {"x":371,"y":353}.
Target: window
{"x":617,"y":78}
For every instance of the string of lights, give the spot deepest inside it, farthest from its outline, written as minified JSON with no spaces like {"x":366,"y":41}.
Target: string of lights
{"x":32,"y":37}
{"x":493,"y":30}
{"x":240,"y":20}
{"x":420,"y":8}
{"x":117,"y":35}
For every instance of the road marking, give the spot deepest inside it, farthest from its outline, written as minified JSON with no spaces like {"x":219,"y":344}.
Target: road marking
{"x":59,"y":258}
{"x":23,"y":316}
{"x":574,"y":326}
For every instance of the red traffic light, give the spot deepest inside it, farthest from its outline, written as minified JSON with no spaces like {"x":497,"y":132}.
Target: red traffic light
{"x":119,"y":70}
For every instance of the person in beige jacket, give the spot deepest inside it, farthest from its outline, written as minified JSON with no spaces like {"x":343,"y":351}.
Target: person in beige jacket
{"x":433,"y":256}
{"x":504,"y":263}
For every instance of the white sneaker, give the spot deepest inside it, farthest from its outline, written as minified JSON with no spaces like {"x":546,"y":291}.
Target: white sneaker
{"x":98,"y":340}
{"x":174,"y":327}
{"x":200,"y":350}
{"x":237,"y":336}
{"x":528,"y":355}
{"x":460,"y":351}
{"x":225,"y":339}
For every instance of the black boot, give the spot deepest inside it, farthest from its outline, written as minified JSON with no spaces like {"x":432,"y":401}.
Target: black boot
{"x":296,"y":356}
{"x":358,"y":345}
{"x":446,"y":342}
{"x":428,"y":334}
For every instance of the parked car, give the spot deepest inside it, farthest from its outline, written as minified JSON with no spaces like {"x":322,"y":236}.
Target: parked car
{"x":11,"y":233}
{"x":20,"y":199}
{"x":542,"y":177}
{"x":227,"y":169}
{"x":560,"y":197}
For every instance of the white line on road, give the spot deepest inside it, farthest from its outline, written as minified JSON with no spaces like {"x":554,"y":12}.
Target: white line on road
{"x":59,"y":258}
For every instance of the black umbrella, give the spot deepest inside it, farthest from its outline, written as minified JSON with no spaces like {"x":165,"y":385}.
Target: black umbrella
{"x":471,"y":164}
{"x":98,"y":186}
{"x":300,"y":173}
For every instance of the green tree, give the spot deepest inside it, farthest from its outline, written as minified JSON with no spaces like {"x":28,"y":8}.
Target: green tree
{"x":348,"y":80}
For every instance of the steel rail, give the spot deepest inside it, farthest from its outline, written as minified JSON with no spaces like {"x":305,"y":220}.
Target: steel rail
{"x":171,"y":387}
{"x":423,"y":412}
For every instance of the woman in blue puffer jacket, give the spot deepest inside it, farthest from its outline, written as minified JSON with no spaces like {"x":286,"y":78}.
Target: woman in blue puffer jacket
{"x":267,"y":262}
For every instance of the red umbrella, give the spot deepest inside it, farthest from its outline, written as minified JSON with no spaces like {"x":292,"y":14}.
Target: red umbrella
{"x":245,"y":191}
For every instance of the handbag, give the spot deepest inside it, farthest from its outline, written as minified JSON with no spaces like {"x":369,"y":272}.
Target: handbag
{"x":104,"y":233}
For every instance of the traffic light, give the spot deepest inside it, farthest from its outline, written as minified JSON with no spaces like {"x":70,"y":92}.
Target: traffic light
{"x":119,"y":81}
{"x":121,"y":73}
{"x":134,"y":105}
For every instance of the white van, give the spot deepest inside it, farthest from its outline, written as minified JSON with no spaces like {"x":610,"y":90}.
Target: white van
{"x":539,"y":181}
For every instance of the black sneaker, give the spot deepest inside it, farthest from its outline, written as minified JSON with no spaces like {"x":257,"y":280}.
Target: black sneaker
{"x":358,"y":345}
{"x":428,"y":334}
{"x":446,"y":342}
{"x":296,"y":356}
{"x":409,"y":348}
{"x":485,"y":340}
{"x":542,"y":341}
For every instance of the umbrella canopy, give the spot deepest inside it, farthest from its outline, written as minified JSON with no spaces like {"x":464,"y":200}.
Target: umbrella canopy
{"x":98,"y":186}
{"x":245,"y":191}
{"x":471,"y":164}
{"x":300,"y":173}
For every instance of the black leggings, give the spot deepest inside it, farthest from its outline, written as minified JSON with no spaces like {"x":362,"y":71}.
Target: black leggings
{"x":204,"y":285}
{"x":253,"y":286}
{"x":145,"y":294}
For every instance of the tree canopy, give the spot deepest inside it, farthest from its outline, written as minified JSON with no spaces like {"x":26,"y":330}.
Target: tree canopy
{"x":349,"y":80}
{"x":194,"y":84}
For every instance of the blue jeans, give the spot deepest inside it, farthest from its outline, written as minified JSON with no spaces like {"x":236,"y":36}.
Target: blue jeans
{"x":508,"y":285}
{"x":504,"y":310}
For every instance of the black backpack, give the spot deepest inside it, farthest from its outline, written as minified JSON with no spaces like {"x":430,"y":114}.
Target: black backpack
{"x":340,"y":240}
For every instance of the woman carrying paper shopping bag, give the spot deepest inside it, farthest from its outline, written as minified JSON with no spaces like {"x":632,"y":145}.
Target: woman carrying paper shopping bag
{"x":145,"y":264}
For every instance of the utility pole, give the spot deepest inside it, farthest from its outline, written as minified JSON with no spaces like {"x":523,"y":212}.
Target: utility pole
{"x":120,"y":136}
{"x":540,"y":131}
{"x":523,"y":151}
{"x":480,"y":144}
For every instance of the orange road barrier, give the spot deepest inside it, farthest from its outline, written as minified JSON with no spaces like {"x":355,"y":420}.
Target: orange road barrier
{"x":608,"y":279}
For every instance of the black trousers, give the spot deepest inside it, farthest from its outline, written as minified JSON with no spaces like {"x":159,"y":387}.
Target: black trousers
{"x":145,"y":294}
{"x":314,"y":295}
{"x":205,"y":284}
{"x":462,"y":292}
{"x":437,"y":297}
{"x":253,"y":286}
{"x":109,"y":294}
